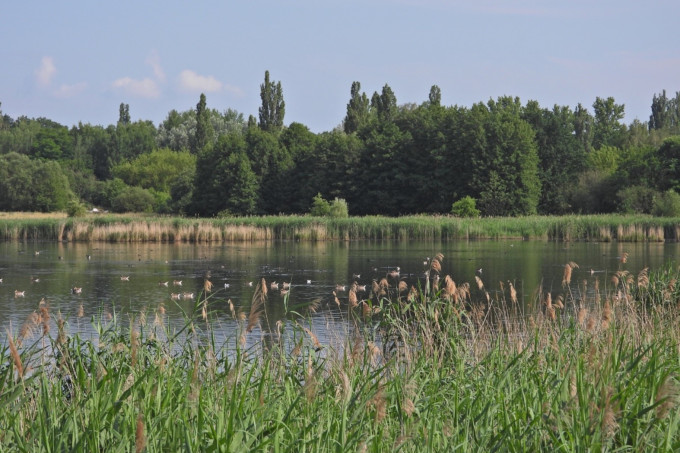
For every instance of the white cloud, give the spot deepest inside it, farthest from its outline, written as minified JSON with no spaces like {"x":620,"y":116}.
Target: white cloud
{"x":155,"y":62}
{"x":145,"y":88}
{"x":67,"y":91}
{"x":46,"y":71}
{"x":190,"y":81}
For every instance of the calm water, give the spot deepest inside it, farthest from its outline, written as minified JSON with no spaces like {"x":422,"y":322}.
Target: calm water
{"x":51,"y":270}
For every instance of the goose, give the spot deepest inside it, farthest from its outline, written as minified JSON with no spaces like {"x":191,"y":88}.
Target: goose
{"x":177,"y":282}
{"x":175,"y":296}
{"x":340,"y":287}
{"x":361,"y":288}
{"x":124,"y":278}
{"x":188,"y":295}
{"x":162,"y":283}
{"x":18,"y":293}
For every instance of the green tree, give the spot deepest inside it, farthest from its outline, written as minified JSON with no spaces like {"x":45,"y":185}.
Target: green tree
{"x":357,"y":109}
{"x":561,"y":155}
{"x":583,"y":127}
{"x":203,"y":133}
{"x":224,"y":179}
{"x":156,"y":170}
{"x":465,"y":207}
{"x":607,"y":127}
{"x":668,"y":154}
{"x":32,"y":185}
{"x":384,"y":104}
{"x":273,"y":107}
{"x":435,"y":97}
{"x":124,"y":114}
{"x":505,"y":167}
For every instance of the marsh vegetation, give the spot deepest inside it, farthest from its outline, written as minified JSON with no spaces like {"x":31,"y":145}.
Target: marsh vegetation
{"x":447,"y":365}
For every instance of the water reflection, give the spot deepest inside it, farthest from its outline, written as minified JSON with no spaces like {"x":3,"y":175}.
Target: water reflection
{"x":127,"y":279}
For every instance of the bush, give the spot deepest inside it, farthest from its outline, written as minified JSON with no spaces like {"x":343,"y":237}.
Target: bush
{"x":636,"y":200}
{"x":465,"y":207}
{"x":320,"y":207}
{"x":133,"y":199}
{"x":667,"y":205}
{"x":339,"y":208}
{"x":75,"y":208}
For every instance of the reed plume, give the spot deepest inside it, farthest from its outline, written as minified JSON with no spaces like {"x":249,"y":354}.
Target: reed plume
{"x":140,"y":438}
{"x":16,"y":358}
{"x":666,"y":397}
{"x":257,"y":305}
{"x":480,"y":284}
{"x":513,"y":293}
{"x":207,"y":285}
{"x":449,"y":287}
{"x":353,"y":298}
{"x":568,"y":268}
{"x":315,"y":341}
{"x":643,"y":278}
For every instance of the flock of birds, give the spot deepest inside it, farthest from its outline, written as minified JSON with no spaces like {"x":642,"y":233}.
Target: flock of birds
{"x":282,"y":287}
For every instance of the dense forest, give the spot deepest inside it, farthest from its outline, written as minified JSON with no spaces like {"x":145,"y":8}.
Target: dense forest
{"x":504,"y":157}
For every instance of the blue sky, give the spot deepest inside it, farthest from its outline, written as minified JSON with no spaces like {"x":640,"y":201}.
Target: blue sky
{"x":74,"y":61}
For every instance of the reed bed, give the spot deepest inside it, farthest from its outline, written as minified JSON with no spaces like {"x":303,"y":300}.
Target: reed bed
{"x":123,"y":228}
{"x":448,"y":366}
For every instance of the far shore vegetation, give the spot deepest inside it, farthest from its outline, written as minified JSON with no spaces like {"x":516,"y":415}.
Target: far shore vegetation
{"x":156,"y":228}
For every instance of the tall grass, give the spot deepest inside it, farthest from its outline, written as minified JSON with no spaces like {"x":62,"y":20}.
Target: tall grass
{"x":138,"y":228}
{"x":422,"y":369}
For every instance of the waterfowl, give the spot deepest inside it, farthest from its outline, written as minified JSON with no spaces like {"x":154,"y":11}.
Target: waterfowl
{"x":274,"y":285}
{"x":395,"y":272}
{"x":177,"y":282}
{"x":162,"y":283}
{"x":361,"y":288}
{"x":18,"y":293}
{"x":124,"y":278}
{"x":340,"y":287}
{"x":187,"y":295}
{"x":76,"y":290}
{"x":226,"y":285}
{"x":175,"y":296}
{"x":285,"y":285}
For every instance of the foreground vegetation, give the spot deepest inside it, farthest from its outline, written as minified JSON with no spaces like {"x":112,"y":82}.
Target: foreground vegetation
{"x":138,"y":228}
{"x":440,"y":368}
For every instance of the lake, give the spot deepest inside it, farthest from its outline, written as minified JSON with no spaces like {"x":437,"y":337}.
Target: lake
{"x":126,"y":279}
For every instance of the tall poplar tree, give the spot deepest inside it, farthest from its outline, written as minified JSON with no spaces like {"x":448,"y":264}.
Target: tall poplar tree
{"x":273,"y":107}
{"x":203,"y":126}
{"x":357,"y":109}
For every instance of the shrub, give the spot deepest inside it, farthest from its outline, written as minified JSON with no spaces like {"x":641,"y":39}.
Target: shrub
{"x":133,"y":199}
{"x":465,"y":207}
{"x":339,"y":208}
{"x":75,"y":208}
{"x":636,"y":200}
{"x":667,"y":205}
{"x":320,"y":207}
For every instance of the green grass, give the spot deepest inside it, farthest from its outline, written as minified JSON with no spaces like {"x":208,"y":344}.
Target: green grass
{"x":139,"y":228}
{"x":422,"y":370}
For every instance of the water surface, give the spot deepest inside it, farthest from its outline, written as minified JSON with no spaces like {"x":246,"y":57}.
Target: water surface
{"x":52,"y":270}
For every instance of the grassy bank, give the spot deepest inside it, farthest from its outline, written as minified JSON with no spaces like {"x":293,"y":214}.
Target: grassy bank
{"x":138,"y":228}
{"x":425,"y":370}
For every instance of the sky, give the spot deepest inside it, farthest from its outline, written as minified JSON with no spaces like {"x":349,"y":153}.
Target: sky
{"x":77,"y":61}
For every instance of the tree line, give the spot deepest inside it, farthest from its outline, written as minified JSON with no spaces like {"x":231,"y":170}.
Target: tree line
{"x":509,"y":158}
